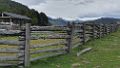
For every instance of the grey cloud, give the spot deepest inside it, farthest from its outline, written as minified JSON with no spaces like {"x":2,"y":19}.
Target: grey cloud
{"x":76,"y":8}
{"x":84,"y":2}
{"x":31,"y":2}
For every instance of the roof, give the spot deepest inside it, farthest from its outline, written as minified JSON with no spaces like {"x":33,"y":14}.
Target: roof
{"x":16,"y":16}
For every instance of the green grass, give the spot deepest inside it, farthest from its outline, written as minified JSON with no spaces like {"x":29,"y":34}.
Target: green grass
{"x":105,"y":54}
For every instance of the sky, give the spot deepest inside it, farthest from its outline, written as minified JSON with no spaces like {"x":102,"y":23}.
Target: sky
{"x":75,"y":9}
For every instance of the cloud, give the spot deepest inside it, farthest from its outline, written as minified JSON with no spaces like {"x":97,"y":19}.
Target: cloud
{"x":30,"y":2}
{"x":84,"y":2}
{"x":73,"y":9}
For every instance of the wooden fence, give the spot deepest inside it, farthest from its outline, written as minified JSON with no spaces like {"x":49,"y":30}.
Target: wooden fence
{"x":21,"y":51}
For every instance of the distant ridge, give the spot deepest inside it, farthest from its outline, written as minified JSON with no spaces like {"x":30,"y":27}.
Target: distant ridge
{"x":106,"y":20}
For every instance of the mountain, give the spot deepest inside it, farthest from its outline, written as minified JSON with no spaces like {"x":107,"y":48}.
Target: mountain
{"x":18,"y":8}
{"x":106,"y":20}
{"x":58,"y":21}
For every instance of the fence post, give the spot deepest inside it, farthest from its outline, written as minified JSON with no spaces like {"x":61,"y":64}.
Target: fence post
{"x":111,"y":26}
{"x":84,"y":34}
{"x":21,"y":48}
{"x":94,"y":32}
{"x":107,"y":29}
{"x":104,"y":29}
{"x":117,"y":26}
{"x":100,"y":30}
{"x":27,"y":46}
{"x":70,"y":33}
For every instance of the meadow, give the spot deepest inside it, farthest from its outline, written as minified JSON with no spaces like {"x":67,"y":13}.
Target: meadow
{"x":105,"y":54}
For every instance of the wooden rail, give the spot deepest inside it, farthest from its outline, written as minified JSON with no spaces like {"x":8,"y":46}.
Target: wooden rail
{"x":70,"y":36}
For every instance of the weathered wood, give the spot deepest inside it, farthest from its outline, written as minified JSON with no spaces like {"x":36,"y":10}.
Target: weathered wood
{"x":10,"y":50}
{"x":71,"y":33}
{"x":48,"y":50}
{"x":100,"y":31}
{"x":86,"y":35}
{"x":8,"y":58}
{"x":10,"y":32}
{"x":78,"y":31}
{"x":27,"y":46}
{"x":84,"y":25}
{"x":86,"y":39}
{"x":49,"y":28}
{"x":75,"y":46}
{"x":75,"y":42}
{"x":76,"y":37}
{"x":46,"y":56}
{"x":83,"y":51}
{"x":10,"y":42}
{"x":15,"y":34}
{"x":93,"y":32}
{"x":7,"y":64}
{"x":51,"y":37}
{"x":83,"y":31}
{"x":51,"y":44}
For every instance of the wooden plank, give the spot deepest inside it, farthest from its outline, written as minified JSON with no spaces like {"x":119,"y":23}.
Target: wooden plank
{"x":7,"y":64}
{"x":46,"y":45}
{"x":86,"y":35}
{"x":48,"y":50}
{"x":86,"y":40}
{"x":100,"y":31}
{"x":46,"y":56}
{"x":83,"y":33}
{"x":83,"y":51}
{"x":69,"y":41}
{"x":10,"y":50}
{"x":8,"y":58}
{"x":75,"y":42}
{"x":75,"y":37}
{"x":48,"y":32}
{"x":76,"y":45}
{"x":94,"y":31}
{"x":10,"y":42}
{"x":10,"y":63}
{"x":15,"y":34}
{"x":51,"y":37}
{"x":78,"y":31}
{"x":27,"y":46}
{"x":49,"y":28}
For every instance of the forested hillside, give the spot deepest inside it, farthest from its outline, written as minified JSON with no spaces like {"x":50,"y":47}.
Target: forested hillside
{"x":14,"y":7}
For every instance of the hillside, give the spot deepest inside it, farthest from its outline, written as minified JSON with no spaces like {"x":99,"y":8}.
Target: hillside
{"x":15,"y":7}
{"x":105,"y":54}
{"x":58,"y":21}
{"x":106,"y":20}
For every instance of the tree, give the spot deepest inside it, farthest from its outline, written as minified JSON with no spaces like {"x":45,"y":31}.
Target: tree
{"x":43,"y":20}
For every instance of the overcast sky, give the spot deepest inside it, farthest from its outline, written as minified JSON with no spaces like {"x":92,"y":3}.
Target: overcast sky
{"x":74,"y":9}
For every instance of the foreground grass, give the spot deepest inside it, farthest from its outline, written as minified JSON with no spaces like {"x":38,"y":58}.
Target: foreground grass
{"x":105,"y":54}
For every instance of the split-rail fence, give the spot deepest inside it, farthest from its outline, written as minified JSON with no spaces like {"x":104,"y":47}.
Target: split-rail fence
{"x":20,"y":51}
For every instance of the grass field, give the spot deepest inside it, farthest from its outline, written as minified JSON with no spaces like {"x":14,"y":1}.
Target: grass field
{"x":105,"y":54}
